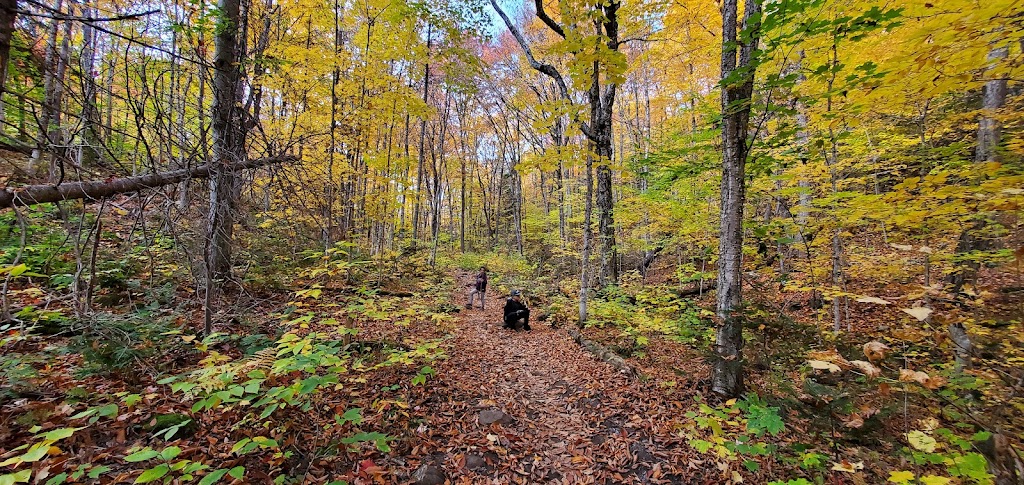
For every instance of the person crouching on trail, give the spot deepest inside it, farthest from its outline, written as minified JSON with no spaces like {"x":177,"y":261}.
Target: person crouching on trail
{"x":479,"y":288}
{"x":515,"y":311}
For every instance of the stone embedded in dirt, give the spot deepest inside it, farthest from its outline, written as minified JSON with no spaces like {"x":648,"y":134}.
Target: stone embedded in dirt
{"x":641,"y":452}
{"x":428,"y":475}
{"x":490,"y":416}
{"x":475,"y":462}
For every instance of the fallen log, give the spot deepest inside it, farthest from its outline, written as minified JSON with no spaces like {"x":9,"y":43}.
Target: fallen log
{"x":96,"y":190}
{"x":602,"y":352}
{"x":697,"y":290}
{"x":648,"y":259}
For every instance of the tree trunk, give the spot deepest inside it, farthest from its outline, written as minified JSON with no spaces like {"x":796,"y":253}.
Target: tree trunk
{"x":8,"y":13}
{"x":606,"y":220}
{"x":727,"y":378}
{"x":89,"y":154}
{"x":228,"y":144}
{"x":423,"y":132}
{"x":988,"y":126}
{"x":587,"y":237}
{"x":557,"y":135}
{"x":962,"y":346}
{"x":49,"y":111}
{"x":601,"y":102}
{"x":803,"y":141}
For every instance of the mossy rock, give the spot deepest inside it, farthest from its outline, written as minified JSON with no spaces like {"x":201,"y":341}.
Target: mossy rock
{"x":160,"y":423}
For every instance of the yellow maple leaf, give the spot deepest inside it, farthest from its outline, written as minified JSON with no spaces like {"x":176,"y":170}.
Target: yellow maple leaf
{"x":901,"y":477}
{"x":921,"y":441}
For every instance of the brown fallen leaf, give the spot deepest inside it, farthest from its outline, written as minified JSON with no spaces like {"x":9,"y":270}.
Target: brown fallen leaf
{"x":867,"y":368}
{"x":823,"y":365}
{"x":875,"y":350}
{"x":907,"y":375}
{"x":832,"y":356}
{"x":854,"y":421}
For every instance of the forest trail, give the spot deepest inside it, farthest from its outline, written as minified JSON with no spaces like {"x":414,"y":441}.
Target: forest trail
{"x":535,"y":407}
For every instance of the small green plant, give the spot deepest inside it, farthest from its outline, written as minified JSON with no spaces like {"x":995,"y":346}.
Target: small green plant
{"x":39,"y":447}
{"x":96,"y":412}
{"x":164,"y":465}
{"x":949,"y":451}
{"x":117,"y":343}
{"x":421,"y":377}
{"x":735,"y":430}
{"x":93,"y":472}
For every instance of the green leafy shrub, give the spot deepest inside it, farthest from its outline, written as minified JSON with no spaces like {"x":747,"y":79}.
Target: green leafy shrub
{"x":17,"y":372}
{"x":736,"y":430}
{"x":111,"y":343}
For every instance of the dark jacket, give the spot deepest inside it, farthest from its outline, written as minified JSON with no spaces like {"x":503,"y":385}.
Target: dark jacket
{"x":512,"y":306}
{"x":481,"y":281}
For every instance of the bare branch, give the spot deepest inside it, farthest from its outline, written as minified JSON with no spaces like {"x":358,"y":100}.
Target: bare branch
{"x":544,"y":68}
{"x":58,"y":15}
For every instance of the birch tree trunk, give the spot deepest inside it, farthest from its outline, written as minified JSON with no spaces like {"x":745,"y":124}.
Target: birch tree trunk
{"x":994,"y":98}
{"x":50,"y":114}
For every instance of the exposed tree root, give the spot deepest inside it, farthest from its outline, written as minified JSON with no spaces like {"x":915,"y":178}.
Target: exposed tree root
{"x":603,"y":353}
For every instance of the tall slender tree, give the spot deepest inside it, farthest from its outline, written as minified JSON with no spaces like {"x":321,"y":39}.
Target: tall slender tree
{"x":738,"y":68}
{"x":228,"y":144}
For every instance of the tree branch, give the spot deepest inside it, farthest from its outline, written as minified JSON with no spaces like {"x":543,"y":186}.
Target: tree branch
{"x":542,"y":67}
{"x":550,"y":22}
{"x":95,"y":190}
{"x":58,"y":15}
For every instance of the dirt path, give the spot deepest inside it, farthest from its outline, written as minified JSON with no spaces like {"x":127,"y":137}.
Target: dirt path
{"x":534,"y":407}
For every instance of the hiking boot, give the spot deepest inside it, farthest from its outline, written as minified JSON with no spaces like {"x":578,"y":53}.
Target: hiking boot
{"x":526,"y":327}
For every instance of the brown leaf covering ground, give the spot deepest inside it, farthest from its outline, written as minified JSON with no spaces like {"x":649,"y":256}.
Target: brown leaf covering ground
{"x":572,"y":418}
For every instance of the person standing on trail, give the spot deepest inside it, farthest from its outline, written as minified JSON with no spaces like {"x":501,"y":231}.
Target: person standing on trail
{"x":515,"y":310}
{"x":479,"y":288}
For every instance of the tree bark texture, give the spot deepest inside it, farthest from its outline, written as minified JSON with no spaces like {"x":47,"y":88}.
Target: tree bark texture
{"x":228,"y":142}
{"x":8,"y":13}
{"x":737,"y":87}
{"x":988,"y":126}
{"x":90,"y":153}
